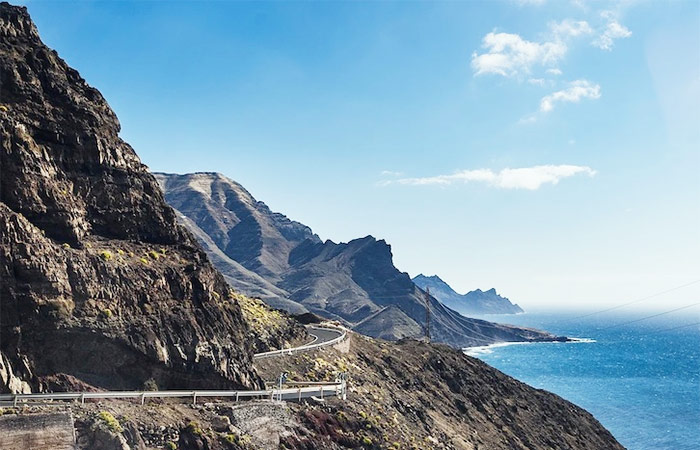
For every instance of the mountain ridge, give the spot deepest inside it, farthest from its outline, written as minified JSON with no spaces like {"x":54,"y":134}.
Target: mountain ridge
{"x":473,"y":302}
{"x":350,"y":282}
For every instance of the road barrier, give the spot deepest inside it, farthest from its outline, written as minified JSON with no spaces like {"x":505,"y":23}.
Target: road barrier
{"x":319,"y":390}
{"x":290,"y":351}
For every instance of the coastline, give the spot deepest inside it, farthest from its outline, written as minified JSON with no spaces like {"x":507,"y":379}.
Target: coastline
{"x":488,"y":349}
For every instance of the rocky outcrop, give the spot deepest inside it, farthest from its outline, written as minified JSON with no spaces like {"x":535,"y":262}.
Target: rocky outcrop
{"x":97,"y":279}
{"x":283,"y":262}
{"x":473,"y":302}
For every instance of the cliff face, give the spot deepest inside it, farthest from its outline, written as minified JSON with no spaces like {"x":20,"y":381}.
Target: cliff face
{"x":473,"y":302}
{"x":97,"y":279}
{"x":267,"y":255}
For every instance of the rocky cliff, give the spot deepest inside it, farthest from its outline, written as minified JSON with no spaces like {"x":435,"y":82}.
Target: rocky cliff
{"x":473,"y":302}
{"x":267,"y":255}
{"x":98,"y":282}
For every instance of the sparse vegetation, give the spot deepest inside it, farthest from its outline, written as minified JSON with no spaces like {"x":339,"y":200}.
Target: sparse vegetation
{"x":194,"y":428}
{"x":106,"y":255}
{"x":106,"y":314}
{"x":66,"y":245}
{"x":154,"y":254}
{"x":110,"y":422}
{"x":144,"y":261}
{"x":259,"y":316}
{"x":171,"y":445}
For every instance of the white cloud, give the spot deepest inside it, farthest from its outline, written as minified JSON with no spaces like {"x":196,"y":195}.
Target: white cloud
{"x":574,"y":93}
{"x":570,"y":28}
{"x":554,"y":72}
{"x":613,"y":30}
{"x":537,"y":81}
{"x":391,"y":173}
{"x":529,"y":178}
{"x":509,"y":55}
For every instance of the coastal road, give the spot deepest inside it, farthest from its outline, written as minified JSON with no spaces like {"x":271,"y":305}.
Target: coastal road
{"x":322,"y":337}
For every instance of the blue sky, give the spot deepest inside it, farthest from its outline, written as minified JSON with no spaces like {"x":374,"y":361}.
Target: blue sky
{"x":549,"y":149}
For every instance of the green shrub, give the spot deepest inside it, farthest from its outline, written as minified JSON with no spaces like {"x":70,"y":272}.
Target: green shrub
{"x":144,"y":260}
{"x":106,"y":313}
{"x":366,"y":441}
{"x":171,"y":445}
{"x":111,"y":422}
{"x":106,"y":255}
{"x":121,"y":252}
{"x":154,"y":254}
{"x":193,"y":427}
{"x":66,"y":245}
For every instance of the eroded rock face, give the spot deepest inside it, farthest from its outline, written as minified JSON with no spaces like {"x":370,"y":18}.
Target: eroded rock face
{"x":98,"y":281}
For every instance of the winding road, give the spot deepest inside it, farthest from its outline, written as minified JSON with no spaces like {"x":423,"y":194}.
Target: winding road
{"x":323,"y":336}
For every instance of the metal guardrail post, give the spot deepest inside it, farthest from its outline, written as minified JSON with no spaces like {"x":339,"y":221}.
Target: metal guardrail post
{"x":321,"y":392}
{"x":194,"y":397}
{"x":143,"y":398}
{"x":236,"y":396}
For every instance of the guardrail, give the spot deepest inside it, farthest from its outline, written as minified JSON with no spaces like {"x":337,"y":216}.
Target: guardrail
{"x":290,"y":351}
{"x":320,"y":390}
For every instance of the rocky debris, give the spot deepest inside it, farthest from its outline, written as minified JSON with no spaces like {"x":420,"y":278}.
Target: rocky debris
{"x":285,"y":264}
{"x":473,"y":302}
{"x":37,"y":431}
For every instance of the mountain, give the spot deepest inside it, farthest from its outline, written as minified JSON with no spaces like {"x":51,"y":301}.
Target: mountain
{"x":100,"y":288}
{"x":98,"y":281}
{"x":265,"y":254}
{"x":473,"y":302}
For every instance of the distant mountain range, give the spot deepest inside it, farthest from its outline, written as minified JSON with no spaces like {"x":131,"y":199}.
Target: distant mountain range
{"x":262,"y":253}
{"x":473,"y":302}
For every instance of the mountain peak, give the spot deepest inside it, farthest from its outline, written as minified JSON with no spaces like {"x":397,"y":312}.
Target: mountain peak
{"x":473,"y":302}
{"x":15,"y":22}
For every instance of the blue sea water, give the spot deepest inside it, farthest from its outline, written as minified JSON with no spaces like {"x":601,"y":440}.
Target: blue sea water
{"x":641,"y":383}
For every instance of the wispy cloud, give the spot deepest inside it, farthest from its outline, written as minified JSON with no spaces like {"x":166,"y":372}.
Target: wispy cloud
{"x":510,"y":55}
{"x":391,"y":173}
{"x":574,"y":93}
{"x":570,"y":28}
{"x":555,"y":72}
{"x":613,"y":30}
{"x":529,"y":178}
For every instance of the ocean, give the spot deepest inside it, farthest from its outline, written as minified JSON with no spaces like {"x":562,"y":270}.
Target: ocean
{"x":640,"y":380}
